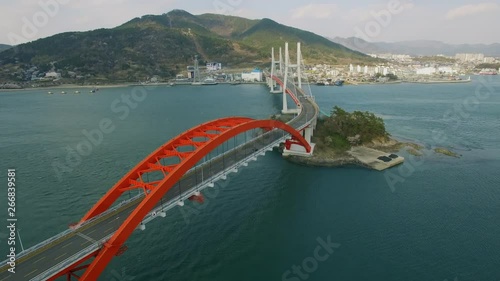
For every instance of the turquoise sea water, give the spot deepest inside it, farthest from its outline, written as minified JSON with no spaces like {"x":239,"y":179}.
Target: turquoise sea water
{"x":434,"y":218}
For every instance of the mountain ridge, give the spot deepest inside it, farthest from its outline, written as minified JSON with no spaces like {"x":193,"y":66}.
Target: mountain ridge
{"x":162,"y":45}
{"x":417,"y":47}
{"x":4,"y":47}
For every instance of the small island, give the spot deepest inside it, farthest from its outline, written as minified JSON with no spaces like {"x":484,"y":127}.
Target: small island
{"x":357,"y":138}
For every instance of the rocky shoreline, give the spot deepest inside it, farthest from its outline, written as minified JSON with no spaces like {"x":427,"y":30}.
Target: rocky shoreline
{"x":324,"y":157}
{"x":316,"y":161}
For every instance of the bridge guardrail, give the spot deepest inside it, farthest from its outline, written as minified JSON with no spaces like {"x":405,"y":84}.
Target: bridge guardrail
{"x":67,"y":232}
{"x":69,"y":261}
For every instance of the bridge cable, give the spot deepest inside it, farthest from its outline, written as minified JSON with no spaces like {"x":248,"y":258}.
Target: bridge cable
{"x":195,"y":176}
{"x":179,"y":187}
{"x":234,"y":146}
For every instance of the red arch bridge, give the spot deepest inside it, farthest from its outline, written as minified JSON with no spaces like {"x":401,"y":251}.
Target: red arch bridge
{"x":176,"y":171}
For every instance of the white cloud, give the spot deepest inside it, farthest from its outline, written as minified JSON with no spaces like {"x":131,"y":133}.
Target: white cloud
{"x":472,"y":9}
{"x":314,"y":11}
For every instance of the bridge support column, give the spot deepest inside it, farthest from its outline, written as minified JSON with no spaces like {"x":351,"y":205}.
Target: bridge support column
{"x":276,"y":89}
{"x":299,"y":62}
{"x":293,"y":148}
{"x":288,"y":69}
{"x":281,"y":63}
{"x":275,"y":70}
{"x":308,"y":133}
{"x":285,"y":102}
{"x":270,"y":81}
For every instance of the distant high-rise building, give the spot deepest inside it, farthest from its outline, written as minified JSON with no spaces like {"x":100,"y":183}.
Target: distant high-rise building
{"x":466,"y":57}
{"x":489,"y":60}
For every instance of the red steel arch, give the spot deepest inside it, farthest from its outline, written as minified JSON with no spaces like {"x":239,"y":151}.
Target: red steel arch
{"x":289,"y":92}
{"x":214,"y":132}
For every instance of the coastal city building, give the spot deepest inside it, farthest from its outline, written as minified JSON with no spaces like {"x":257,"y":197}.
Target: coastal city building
{"x":214,"y":66}
{"x":426,"y":71}
{"x":466,"y":57}
{"x":53,"y":75}
{"x":253,"y":76}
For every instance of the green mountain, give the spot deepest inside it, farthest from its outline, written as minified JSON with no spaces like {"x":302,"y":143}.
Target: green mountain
{"x":164,"y":45}
{"x":268,"y":33}
{"x":4,"y":47}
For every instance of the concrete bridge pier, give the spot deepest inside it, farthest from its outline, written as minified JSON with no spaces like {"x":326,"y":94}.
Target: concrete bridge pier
{"x":293,"y":148}
{"x":273,"y":86}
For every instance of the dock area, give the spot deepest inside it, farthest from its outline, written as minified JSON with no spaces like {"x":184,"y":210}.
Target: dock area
{"x":375,"y":159}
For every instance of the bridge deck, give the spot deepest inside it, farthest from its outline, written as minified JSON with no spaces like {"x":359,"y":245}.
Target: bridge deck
{"x":72,"y":245}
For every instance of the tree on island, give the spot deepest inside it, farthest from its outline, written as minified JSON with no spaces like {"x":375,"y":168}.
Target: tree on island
{"x":342,"y":129}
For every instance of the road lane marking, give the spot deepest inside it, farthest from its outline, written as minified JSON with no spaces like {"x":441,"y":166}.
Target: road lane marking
{"x":39,"y":259}
{"x":67,"y":245}
{"x":5,"y":278}
{"x":111,"y":228}
{"x":30,"y":273}
{"x":113,"y":220}
{"x":91,"y":231}
{"x":60,"y":256}
{"x":86,"y":237}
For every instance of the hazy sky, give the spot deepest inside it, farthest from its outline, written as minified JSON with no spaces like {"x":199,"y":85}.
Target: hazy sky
{"x":457,"y":21}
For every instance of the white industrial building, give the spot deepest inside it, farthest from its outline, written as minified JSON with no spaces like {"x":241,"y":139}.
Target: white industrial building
{"x":214,"y":66}
{"x":254,"y":75}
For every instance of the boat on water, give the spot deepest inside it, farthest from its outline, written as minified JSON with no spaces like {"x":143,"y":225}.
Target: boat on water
{"x":339,"y":82}
{"x":50,"y":93}
{"x":94,"y":90}
{"x":77,"y":92}
{"x":63,"y":93}
{"x":171,"y":84}
{"x":209,"y":81}
{"x":488,"y":71}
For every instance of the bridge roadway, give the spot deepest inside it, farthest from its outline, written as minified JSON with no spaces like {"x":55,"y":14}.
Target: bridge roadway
{"x":64,"y":249}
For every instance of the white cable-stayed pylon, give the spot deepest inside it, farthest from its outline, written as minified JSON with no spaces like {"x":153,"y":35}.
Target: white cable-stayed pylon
{"x":285,"y":82}
{"x":290,"y":72}
{"x":304,"y":75}
{"x":281,"y":63}
{"x":276,"y":70}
